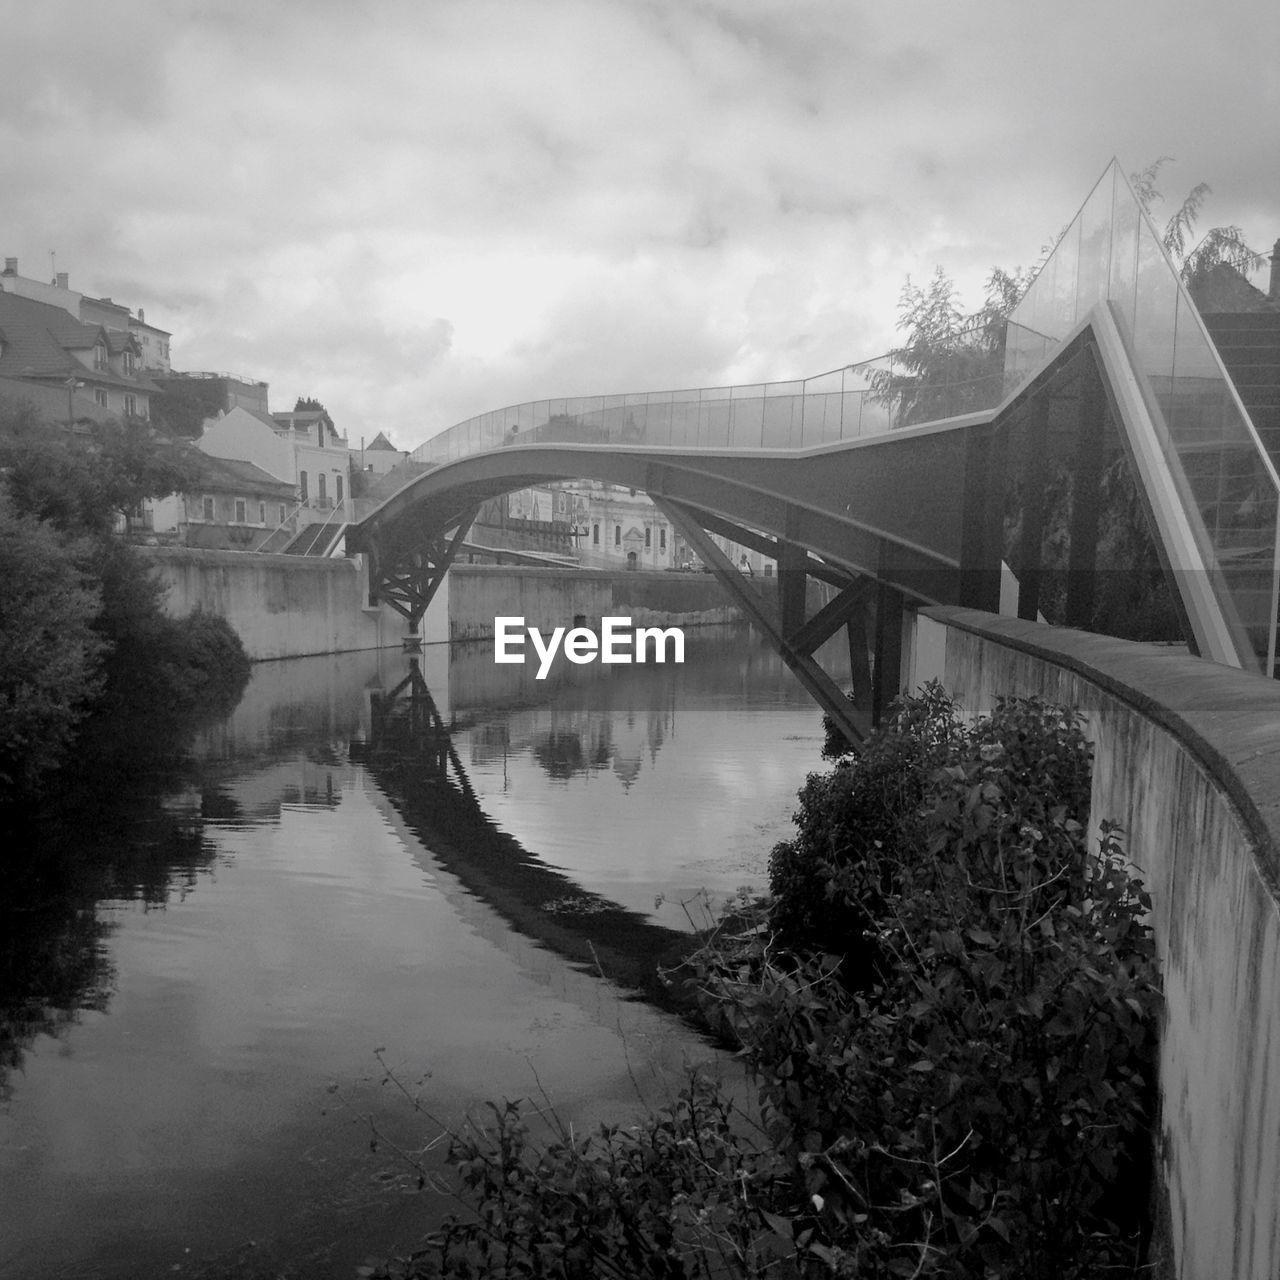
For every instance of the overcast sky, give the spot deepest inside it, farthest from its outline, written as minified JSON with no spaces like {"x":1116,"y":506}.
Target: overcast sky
{"x":417,"y":211}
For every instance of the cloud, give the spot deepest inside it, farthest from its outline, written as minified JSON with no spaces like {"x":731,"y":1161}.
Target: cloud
{"x":423,"y":210}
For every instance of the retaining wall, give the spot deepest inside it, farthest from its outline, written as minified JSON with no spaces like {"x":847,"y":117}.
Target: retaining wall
{"x":549,"y":598}
{"x":285,"y":606}
{"x":1187,"y":760}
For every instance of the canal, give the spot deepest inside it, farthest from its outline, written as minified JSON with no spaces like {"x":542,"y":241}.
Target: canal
{"x":444,"y":868}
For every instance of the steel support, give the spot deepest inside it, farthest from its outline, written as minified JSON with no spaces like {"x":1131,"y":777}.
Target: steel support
{"x":795,"y":646}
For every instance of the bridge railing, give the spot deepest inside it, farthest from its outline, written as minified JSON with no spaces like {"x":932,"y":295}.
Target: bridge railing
{"x":845,"y":404}
{"x":1110,"y":253}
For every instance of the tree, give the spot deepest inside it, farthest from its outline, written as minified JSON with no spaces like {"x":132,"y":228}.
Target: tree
{"x":309,"y":404}
{"x":1219,"y":246}
{"x":81,"y":627}
{"x":49,"y":668}
{"x":82,"y":484}
{"x":185,"y":403}
{"x":953,"y":360}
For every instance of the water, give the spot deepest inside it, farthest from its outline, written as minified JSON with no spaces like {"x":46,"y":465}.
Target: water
{"x":202,"y":988}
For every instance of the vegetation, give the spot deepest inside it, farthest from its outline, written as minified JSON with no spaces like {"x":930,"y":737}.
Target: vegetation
{"x":81,"y":625}
{"x":185,"y":404}
{"x":948,"y":1008}
{"x":953,"y":360}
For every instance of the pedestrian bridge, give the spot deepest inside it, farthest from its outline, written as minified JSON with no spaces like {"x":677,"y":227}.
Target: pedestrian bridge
{"x":1098,"y":432}
{"x":1096,"y":453}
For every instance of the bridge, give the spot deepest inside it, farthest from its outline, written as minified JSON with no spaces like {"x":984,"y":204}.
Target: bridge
{"x":1100,"y":432}
{"x":902,"y":490}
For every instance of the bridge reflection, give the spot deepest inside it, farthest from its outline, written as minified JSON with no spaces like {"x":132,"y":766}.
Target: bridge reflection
{"x":411,"y":756}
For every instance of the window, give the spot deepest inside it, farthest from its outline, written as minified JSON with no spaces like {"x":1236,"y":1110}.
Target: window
{"x":648,"y":537}
{"x":337,"y":488}
{"x":100,"y":357}
{"x":595,"y":535}
{"x":302,"y":484}
{"x":283,"y":515}
{"x":130,"y":404}
{"x":320,"y":493}
{"x":100,"y":397}
{"x":662,"y":538}
{"x":208,"y":508}
{"x":262,"y":513}
{"x":242,"y":514}
{"x":130,"y":362}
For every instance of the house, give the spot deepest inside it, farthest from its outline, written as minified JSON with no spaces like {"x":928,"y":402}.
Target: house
{"x":153,"y":342}
{"x":238,"y":507}
{"x":380,"y":455}
{"x":322,"y":460}
{"x":45,"y":346}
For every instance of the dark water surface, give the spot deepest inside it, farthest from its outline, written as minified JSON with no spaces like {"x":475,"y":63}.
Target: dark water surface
{"x":194,"y":989}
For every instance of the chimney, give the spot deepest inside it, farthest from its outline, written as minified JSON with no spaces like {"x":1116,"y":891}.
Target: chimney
{"x":61,"y":280}
{"x":1274,"y":291}
{"x":11,"y":266}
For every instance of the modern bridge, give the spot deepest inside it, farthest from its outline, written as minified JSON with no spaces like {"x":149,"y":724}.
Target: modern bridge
{"x":902,"y":489}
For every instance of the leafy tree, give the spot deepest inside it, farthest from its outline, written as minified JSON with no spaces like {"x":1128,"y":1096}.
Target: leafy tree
{"x":80,"y":622}
{"x":49,"y":646}
{"x":1219,"y":246}
{"x":184,"y":404}
{"x":82,"y":484}
{"x":309,"y":404}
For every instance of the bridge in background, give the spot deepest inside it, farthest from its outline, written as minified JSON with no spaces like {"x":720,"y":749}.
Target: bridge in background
{"x":1111,"y":413}
{"x":901,"y":491}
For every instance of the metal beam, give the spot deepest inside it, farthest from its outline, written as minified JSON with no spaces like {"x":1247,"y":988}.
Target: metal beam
{"x":852,"y":721}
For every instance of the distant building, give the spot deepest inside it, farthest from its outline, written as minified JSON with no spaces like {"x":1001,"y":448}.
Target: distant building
{"x":153,"y":342}
{"x":380,"y":455}
{"x":238,"y":507}
{"x":618,"y":528}
{"x":46,"y":346}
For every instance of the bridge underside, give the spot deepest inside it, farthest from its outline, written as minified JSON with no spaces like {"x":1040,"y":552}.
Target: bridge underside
{"x":938,"y":514}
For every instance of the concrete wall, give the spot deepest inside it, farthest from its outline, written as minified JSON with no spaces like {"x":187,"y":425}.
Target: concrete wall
{"x":548,"y":598}
{"x":1187,"y":760}
{"x":286,"y":606}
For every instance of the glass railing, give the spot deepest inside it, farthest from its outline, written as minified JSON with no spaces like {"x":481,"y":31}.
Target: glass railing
{"x":846,"y":404}
{"x":1111,"y":253}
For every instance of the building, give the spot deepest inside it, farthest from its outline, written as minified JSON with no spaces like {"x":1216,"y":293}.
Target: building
{"x":46,"y":346}
{"x":321,"y":459}
{"x":380,"y":455}
{"x":238,"y":507}
{"x":153,"y":342}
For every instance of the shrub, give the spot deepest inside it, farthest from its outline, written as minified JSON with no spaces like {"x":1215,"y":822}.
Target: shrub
{"x":978,"y":1103}
{"x":852,"y":827}
{"x":975,"y":1106}
{"x":49,"y":670}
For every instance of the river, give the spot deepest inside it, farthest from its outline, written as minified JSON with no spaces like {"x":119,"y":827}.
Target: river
{"x":469,"y":882}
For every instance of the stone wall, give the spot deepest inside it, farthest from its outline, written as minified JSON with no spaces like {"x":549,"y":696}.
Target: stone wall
{"x":286,"y":606}
{"x":549,"y":598}
{"x":1187,"y":760}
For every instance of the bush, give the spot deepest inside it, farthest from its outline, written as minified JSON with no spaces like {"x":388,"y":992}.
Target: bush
{"x":975,"y":1106}
{"x":49,"y":671}
{"x":853,"y":827}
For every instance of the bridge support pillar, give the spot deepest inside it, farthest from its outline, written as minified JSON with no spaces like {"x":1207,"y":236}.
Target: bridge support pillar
{"x":786,"y":628}
{"x":409,"y":581}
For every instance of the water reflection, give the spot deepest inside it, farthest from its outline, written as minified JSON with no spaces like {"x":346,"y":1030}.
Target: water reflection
{"x":365,"y":852}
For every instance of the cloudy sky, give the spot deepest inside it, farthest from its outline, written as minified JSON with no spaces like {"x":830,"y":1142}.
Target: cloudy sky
{"x":417,"y":210}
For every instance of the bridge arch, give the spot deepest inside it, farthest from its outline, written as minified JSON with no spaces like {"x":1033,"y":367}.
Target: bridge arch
{"x":1105,"y":360}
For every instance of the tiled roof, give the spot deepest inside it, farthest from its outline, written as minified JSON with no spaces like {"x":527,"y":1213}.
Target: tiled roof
{"x":36,"y":339}
{"x":380,"y":441}
{"x":233,"y":475}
